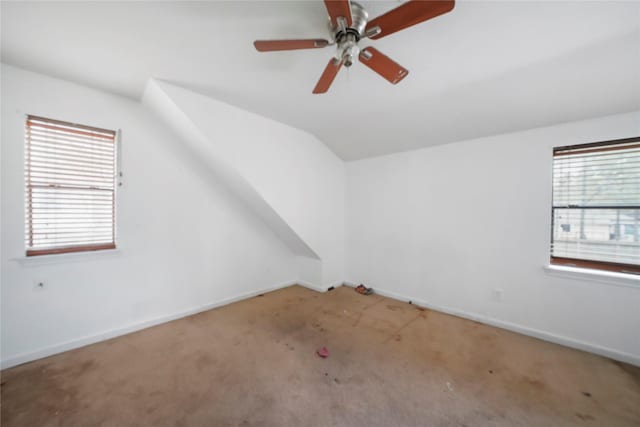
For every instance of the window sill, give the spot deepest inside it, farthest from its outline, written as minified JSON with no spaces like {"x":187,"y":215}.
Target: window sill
{"x":28,"y":261}
{"x":608,"y":277}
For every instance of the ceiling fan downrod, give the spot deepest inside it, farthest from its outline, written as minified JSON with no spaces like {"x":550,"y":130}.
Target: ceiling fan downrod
{"x":347,"y":36}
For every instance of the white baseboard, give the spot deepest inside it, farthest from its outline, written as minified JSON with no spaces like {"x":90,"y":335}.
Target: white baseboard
{"x":524,"y":330}
{"x":92,"y":339}
{"x":312,"y":286}
{"x":322,"y":288}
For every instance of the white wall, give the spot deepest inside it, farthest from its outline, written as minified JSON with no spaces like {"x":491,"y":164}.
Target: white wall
{"x":294,"y":172}
{"x":447,"y":225}
{"x":443,"y":226}
{"x":186,"y":242}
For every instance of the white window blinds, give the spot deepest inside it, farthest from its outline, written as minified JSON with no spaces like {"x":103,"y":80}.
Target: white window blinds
{"x":596,"y":206}
{"x":70,"y":187}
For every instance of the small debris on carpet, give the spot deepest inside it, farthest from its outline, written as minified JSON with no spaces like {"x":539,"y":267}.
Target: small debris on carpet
{"x":362,"y":289}
{"x":331,"y":288}
{"x":323,"y":352}
{"x":490,"y":371}
{"x":586,"y":393}
{"x":449,"y":386}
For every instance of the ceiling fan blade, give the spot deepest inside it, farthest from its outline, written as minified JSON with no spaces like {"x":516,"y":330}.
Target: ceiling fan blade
{"x":410,"y":13}
{"x":383,"y":65}
{"x":273,"y":45}
{"x":337,"y":9}
{"x":330,"y":72}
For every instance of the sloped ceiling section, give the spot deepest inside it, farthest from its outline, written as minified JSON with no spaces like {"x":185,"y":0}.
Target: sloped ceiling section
{"x":487,"y":67}
{"x":288,"y":177}
{"x":158,"y":101}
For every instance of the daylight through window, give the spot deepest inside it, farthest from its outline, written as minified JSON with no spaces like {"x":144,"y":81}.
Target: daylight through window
{"x":70,"y":187}
{"x":596,"y":206}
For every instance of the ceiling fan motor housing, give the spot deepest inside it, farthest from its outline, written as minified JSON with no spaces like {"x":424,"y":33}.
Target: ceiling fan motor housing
{"x":347,"y":37}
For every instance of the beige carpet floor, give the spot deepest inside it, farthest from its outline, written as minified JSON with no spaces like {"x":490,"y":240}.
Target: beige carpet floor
{"x":253,"y":363}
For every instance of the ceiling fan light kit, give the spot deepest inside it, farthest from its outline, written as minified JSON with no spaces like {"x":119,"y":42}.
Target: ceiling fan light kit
{"x":349,"y":23}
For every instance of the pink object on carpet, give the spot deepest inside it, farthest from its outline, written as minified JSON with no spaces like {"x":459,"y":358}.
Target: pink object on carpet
{"x":323,"y":352}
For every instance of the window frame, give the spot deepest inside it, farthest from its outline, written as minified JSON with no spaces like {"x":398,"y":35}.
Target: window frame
{"x":74,"y":247}
{"x":592,"y":147}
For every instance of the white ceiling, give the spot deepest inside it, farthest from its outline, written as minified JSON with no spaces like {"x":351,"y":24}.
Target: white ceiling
{"x":483,"y":69}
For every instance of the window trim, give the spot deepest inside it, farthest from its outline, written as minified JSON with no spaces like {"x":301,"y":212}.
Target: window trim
{"x":593,"y":275}
{"x":77,"y":248}
{"x":596,"y":265}
{"x":592,"y":147}
{"x":71,"y":249}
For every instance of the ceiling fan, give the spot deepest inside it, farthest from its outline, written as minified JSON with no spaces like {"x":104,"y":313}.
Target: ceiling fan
{"x":349,"y":23}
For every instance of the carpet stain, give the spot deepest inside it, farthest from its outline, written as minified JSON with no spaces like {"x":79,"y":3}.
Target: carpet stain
{"x":254,"y":363}
{"x":585,"y":417}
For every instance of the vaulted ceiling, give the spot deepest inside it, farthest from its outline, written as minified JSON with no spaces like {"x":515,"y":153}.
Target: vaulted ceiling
{"x":485,"y":68}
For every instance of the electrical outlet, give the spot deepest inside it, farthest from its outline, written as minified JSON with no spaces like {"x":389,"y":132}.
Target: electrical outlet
{"x":496,"y":294}
{"x":38,"y":285}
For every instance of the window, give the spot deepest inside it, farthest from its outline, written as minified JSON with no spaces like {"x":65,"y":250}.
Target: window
{"x":596,"y":206}
{"x":70,"y":173}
